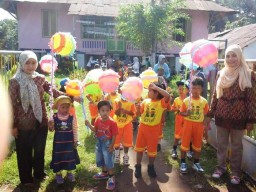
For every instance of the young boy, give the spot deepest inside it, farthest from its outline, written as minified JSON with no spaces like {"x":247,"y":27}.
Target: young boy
{"x":183,"y":90}
{"x":124,"y":112}
{"x":193,"y":109}
{"x":111,"y":97}
{"x":106,"y":130}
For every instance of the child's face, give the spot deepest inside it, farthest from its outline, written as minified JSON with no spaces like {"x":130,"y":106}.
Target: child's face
{"x":104,"y":112}
{"x":182,"y":90}
{"x":160,"y":72}
{"x":152,"y":94}
{"x":63,"y":109}
{"x":30,"y":66}
{"x":196,"y":91}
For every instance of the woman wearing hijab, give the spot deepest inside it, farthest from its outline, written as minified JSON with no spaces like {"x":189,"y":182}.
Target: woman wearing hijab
{"x":233,"y":107}
{"x":30,"y":123}
{"x":161,"y":64}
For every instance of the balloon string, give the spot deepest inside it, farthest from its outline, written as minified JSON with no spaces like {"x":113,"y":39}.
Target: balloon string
{"x":190,"y":86}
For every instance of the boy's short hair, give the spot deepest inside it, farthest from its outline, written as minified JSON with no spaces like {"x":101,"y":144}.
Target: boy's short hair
{"x":198,"y":81}
{"x":183,"y":83}
{"x":104,"y":103}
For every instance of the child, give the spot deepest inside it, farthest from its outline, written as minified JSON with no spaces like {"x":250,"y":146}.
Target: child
{"x":124,"y":112}
{"x":111,"y":97}
{"x":193,"y":109}
{"x":93,"y":101}
{"x":64,"y":154}
{"x":106,"y":130}
{"x":149,"y":129}
{"x":182,"y":91}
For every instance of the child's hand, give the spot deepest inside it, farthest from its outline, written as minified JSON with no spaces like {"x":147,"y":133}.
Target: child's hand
{"x":152,"y":86}
{"x":51,"y":125}
{"x":78,"y":99}
{"x":75,"y":144}
{"x":110,"y":148}
{"x":207,"y":121}
{"x":15,"y":132}
{"x":188,"y":112}
{"x":87,"y":123}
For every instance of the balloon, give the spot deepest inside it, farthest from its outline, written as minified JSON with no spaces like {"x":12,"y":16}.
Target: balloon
{"x":46,"y":63}
{"x":132,"y":89}
{"x":73,"y":87}
{"x":63,"y":43}
{"x":204,"y":53}
{"x":91,"y":82}
{"x":144,"y":94}
{"x":109,"y":81}
{"x":148,"y":76}
{"x":185,"y":56}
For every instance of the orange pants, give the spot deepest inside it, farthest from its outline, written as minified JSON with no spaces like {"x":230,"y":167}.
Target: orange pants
{"x":93,"y":110}
{"x":192,"y":131}
{"x":125,"y":136}
{"x":179,"y":120}
{"x":147,"y":138}
{"x":161,"y":133}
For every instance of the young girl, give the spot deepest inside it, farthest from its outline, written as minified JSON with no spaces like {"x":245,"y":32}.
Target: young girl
{"x":64,"y":154}
{"x":106,"y":130}
{"x":150,"y":126}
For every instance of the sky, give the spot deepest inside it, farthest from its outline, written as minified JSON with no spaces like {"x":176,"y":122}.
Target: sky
{"x":4,"y":15}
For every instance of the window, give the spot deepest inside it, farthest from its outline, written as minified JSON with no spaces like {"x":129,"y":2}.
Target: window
{"x":185,"y":26}
{"x":49,"y":23}
{"x":96,"y":27}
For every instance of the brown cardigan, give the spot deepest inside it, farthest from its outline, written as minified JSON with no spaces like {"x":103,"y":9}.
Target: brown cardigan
{"x":27,"y":121}
{"x":235,"y":108}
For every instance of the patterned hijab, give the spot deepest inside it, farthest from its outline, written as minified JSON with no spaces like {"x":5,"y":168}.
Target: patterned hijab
{"x":28,"y":90}
{"x":229,"y":75}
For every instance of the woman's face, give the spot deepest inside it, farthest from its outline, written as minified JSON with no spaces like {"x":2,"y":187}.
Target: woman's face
{"x":232,"y":59}
{"x":30,"y":66}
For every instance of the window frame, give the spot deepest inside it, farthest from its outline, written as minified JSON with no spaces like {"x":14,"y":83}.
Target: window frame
{"x":50,"y":31}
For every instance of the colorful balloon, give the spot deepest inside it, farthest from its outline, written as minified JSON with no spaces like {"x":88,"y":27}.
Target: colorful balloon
{"x":204,"y":53}
{"x":63,"y":43}
{"x":109,"y":81}
{"x":148,"y":76}
{"x":185,"y":56}
{"x":91,"y":82}
{"x":46,"y":63}
{"x":132,"y":89}
{"x":73,"y":87}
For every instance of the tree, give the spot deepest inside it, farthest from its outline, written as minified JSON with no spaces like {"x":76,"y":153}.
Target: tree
{"x":146,"y":24}
{"x":246,"y":14}
{"x":8,"y":34}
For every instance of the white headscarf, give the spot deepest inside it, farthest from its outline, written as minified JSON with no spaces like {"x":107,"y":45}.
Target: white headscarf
{"x":29,"y":94}
{"x":229,"y":75}
{"x":160,"y":58}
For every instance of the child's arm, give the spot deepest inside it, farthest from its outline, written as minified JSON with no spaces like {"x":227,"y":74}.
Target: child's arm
{"x":111,"y":146}
{"x":87,"y":123}
{"x":51,"y":125}
{"x":184,"y":111}
{"x":164,"y":93}
{"x":89,"y":98}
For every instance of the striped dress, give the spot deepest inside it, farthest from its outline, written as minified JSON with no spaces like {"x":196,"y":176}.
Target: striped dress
{"x":64,"y":155}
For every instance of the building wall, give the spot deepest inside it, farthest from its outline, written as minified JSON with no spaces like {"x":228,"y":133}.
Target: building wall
{"x":249,"y":51}
{"x":30,"y":24}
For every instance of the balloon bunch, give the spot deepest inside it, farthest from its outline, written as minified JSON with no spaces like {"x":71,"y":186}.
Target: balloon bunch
{"x":132,"y":89}
{"x":47,"y":62}
{"x":109,"y":81}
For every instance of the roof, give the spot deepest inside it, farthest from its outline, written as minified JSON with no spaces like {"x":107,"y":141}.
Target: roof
{"x":242,"y":36}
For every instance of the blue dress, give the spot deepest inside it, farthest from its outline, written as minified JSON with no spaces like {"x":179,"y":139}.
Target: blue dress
{"x":64,"y":155}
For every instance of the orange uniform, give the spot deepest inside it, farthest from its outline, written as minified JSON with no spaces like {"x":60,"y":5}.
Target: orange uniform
{"x":124,"y":123}
{"x":93,"y":108}
{"x":179,"y":120}
{"x":111,"y":97}
{"x":150,"y":125}
{"x":193,"y":128}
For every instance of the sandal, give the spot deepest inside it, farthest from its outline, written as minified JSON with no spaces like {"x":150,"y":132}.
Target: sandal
{"x":235,"y":180}
{"x":217,"y":173}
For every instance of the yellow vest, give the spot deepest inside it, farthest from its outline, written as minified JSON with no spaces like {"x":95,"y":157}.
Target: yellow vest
{"x":197,"y":109}
{"x":152,"y":112}
{"x":123,"y":119}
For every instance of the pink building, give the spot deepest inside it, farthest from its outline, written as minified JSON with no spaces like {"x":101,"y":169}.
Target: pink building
{"x":92,"y":23}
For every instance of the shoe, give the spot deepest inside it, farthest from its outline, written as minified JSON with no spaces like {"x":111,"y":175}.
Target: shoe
{"x":71,"y":177}
{"x":174,"y":154}
{"x":121,"y":147}
{"x":111,"y":183}
{"x":137,"y":172}
{"x":183,"y":168}
{"x":158,"y":147}
{"x":217,"y":173}
{"x":126,"y":160}
{"x":59,"y":179}
{"x":151,"y":171}
{"x":41,"y":177}
{"x":190,"y":154}
{"x":117,"y":156}
{"x":100,"y":176}
{"x":235,"y":180}
{"x":198,"y":168}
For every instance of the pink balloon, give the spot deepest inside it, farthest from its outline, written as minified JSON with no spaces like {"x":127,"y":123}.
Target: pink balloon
{"x":132,"y":89}
{"x":204,"y":53}
{"x":109,"y":81}
{"x":46,"y":63}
